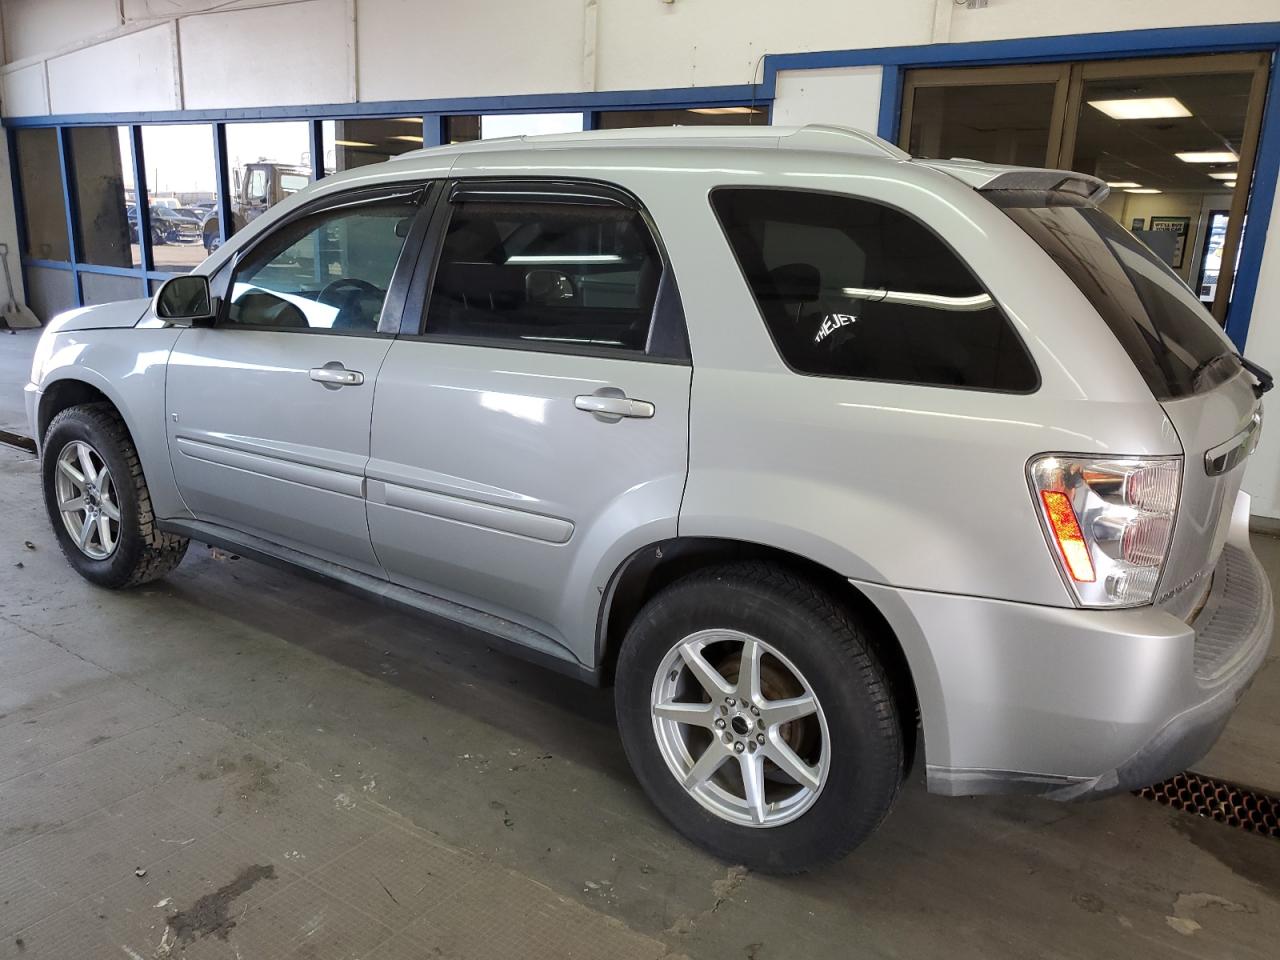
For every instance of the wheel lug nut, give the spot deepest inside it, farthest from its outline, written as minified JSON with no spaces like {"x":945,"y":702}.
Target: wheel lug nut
{"x":719,"y":724}
{"x":760,"y":739}
{"x":729,"y":701}
{"x":739,"y":747}
{"x":755,"y":710}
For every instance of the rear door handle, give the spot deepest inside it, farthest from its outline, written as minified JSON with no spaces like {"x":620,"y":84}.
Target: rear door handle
{"x":335,"y":375}
{"x":611,"y":408}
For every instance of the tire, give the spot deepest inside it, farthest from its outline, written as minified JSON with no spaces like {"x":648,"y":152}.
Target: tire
{"x":138,"y":551}
{"x":827,"y":654}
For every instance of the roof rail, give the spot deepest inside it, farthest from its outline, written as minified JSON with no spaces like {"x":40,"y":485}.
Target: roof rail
{"x":817,"y":137}
{"x":831,"y":137}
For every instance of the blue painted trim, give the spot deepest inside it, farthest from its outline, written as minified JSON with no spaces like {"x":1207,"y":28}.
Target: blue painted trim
{"x":520,"y":103}
{"x":69,"y":205}
{"x":222,"y":183}
{"x":1086,"y":46}
{"x":317,"y":149}
{"x":591,"y":120}
{"x":141,"y":197}
{"x":890,"y":102}
{"x":47,"y":264}
{"x":1266,"y":170}
{"x":433,"y":131}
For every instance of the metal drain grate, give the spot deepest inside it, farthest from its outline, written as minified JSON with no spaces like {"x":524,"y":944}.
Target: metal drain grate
{"x":1218,"y":800}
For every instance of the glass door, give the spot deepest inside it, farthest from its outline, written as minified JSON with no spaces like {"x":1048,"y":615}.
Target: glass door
{"x":1175,"y":138}
{"x":998,"y":114}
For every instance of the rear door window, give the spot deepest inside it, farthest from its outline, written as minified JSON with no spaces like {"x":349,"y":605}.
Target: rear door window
{"x":853,"y":288}
{"x":1172,"y":340}
{"x":546,"y":275}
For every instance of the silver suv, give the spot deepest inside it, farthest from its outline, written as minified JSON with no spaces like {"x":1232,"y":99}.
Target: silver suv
{"x":817,"y":452}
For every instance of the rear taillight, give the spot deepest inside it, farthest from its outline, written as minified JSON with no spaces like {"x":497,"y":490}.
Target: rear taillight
{"x":1109,"y":523}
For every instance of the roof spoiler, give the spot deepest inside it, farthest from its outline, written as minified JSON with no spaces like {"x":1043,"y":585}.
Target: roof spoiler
{"x":991,"y":176}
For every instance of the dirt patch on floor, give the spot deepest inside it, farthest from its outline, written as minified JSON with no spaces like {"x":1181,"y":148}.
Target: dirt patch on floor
{"x":211,"y":913}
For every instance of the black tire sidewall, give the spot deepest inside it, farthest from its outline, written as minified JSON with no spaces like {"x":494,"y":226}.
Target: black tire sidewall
{"x":80,"y":423}
{"x":866,"y":749}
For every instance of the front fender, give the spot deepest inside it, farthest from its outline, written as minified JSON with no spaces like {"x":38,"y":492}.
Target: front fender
{"x":128,"y":367}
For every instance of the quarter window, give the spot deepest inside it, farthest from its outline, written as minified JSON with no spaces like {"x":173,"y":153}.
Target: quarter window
{"x":852,"y":288}
{"x":546,"y":274}
{"x":328,"y":271}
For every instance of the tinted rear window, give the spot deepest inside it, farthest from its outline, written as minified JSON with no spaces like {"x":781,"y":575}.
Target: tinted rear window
{"x":852,"y":288}
{"x":1173,"y":341}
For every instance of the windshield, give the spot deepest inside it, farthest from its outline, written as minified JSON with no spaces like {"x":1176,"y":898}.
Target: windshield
{"x":1174,"y":342}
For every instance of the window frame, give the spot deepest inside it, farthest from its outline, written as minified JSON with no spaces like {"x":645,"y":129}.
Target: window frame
{"x":667,"y":327}
{"x":746,"y":283}
{"x":389,"y":319}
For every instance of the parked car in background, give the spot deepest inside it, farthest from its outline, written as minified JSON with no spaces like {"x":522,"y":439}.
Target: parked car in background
{"x":168,"y":225}
{"x":825,"y":456}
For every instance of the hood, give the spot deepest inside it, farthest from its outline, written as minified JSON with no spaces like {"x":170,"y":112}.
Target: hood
{"x":103,"y":316}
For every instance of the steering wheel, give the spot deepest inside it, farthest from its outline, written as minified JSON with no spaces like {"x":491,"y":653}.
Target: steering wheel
{"x":344,"y":294}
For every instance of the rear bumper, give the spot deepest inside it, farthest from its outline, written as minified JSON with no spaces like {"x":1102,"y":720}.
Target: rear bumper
{"x":1073,"y":703}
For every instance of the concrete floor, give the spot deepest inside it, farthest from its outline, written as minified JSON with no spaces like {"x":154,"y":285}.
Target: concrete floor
{"x":242,"y":763}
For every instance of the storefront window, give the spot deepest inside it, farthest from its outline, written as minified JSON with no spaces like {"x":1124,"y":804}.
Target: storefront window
{"x":106,"y":211}
{"x":461,"y":129}
{"x":40,"y":175}
{"x":267,"y":162}
{"x":182,"y":193}
{"x":696,"y":117}
{"x":354,"y":143}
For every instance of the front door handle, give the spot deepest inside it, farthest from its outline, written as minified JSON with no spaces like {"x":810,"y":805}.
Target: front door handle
{"x":611,"y":407}
{"x":335,"y":375}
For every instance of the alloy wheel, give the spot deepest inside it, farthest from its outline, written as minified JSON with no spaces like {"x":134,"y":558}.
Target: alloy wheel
{"x":87,"y":500}
{"x":740,"y":728}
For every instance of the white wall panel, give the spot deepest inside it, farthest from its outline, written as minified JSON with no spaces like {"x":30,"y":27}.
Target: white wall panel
{"x":846,"y":95}
{"x":24,"y":92}
{"x":713,"y":42}
{"x":1032,"y":18}
{"x":40,"y":27}
{"x":131,"y":72}
{"x":410,"y":50}
{"x":286,"y":54}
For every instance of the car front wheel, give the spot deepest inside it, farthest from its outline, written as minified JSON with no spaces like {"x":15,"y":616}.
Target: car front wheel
{"x":758,"y":719}
{"x":98,"y":500}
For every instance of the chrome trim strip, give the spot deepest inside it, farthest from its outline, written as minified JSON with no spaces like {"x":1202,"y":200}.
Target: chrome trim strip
{"x":1227,"y":456}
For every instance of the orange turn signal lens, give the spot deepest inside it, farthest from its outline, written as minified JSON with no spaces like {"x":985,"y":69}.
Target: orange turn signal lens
{"x":1066,"y":531}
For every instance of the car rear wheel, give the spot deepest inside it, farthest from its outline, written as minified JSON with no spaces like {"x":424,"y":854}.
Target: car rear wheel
{"x":98,"y":500}
{"x":758,"y":718}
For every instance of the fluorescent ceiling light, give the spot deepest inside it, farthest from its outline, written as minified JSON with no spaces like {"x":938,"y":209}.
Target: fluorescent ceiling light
{"x":1224,"y":175}
{"x":1141,"y":108}
{"x":1229,"y":183}
{"x":408,"y":120}
{"x":721,"y":111}
{"x":1207,"y":156}
{"x":407,"y":138}
{"x":1143,"y":190}
{"x":352,"y":143}
{"x":1122,"y":184}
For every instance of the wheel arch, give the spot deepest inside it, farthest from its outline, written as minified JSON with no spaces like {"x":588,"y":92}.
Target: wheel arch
{"x":70,"y":391}
{"x":654,"y":566}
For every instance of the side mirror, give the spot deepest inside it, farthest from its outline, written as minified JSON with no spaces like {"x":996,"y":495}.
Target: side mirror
{"x":547,"y":287}
{"x":185,"y":301}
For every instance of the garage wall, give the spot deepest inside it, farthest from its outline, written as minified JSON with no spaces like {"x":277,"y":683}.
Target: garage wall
{"x":255,"y":52}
